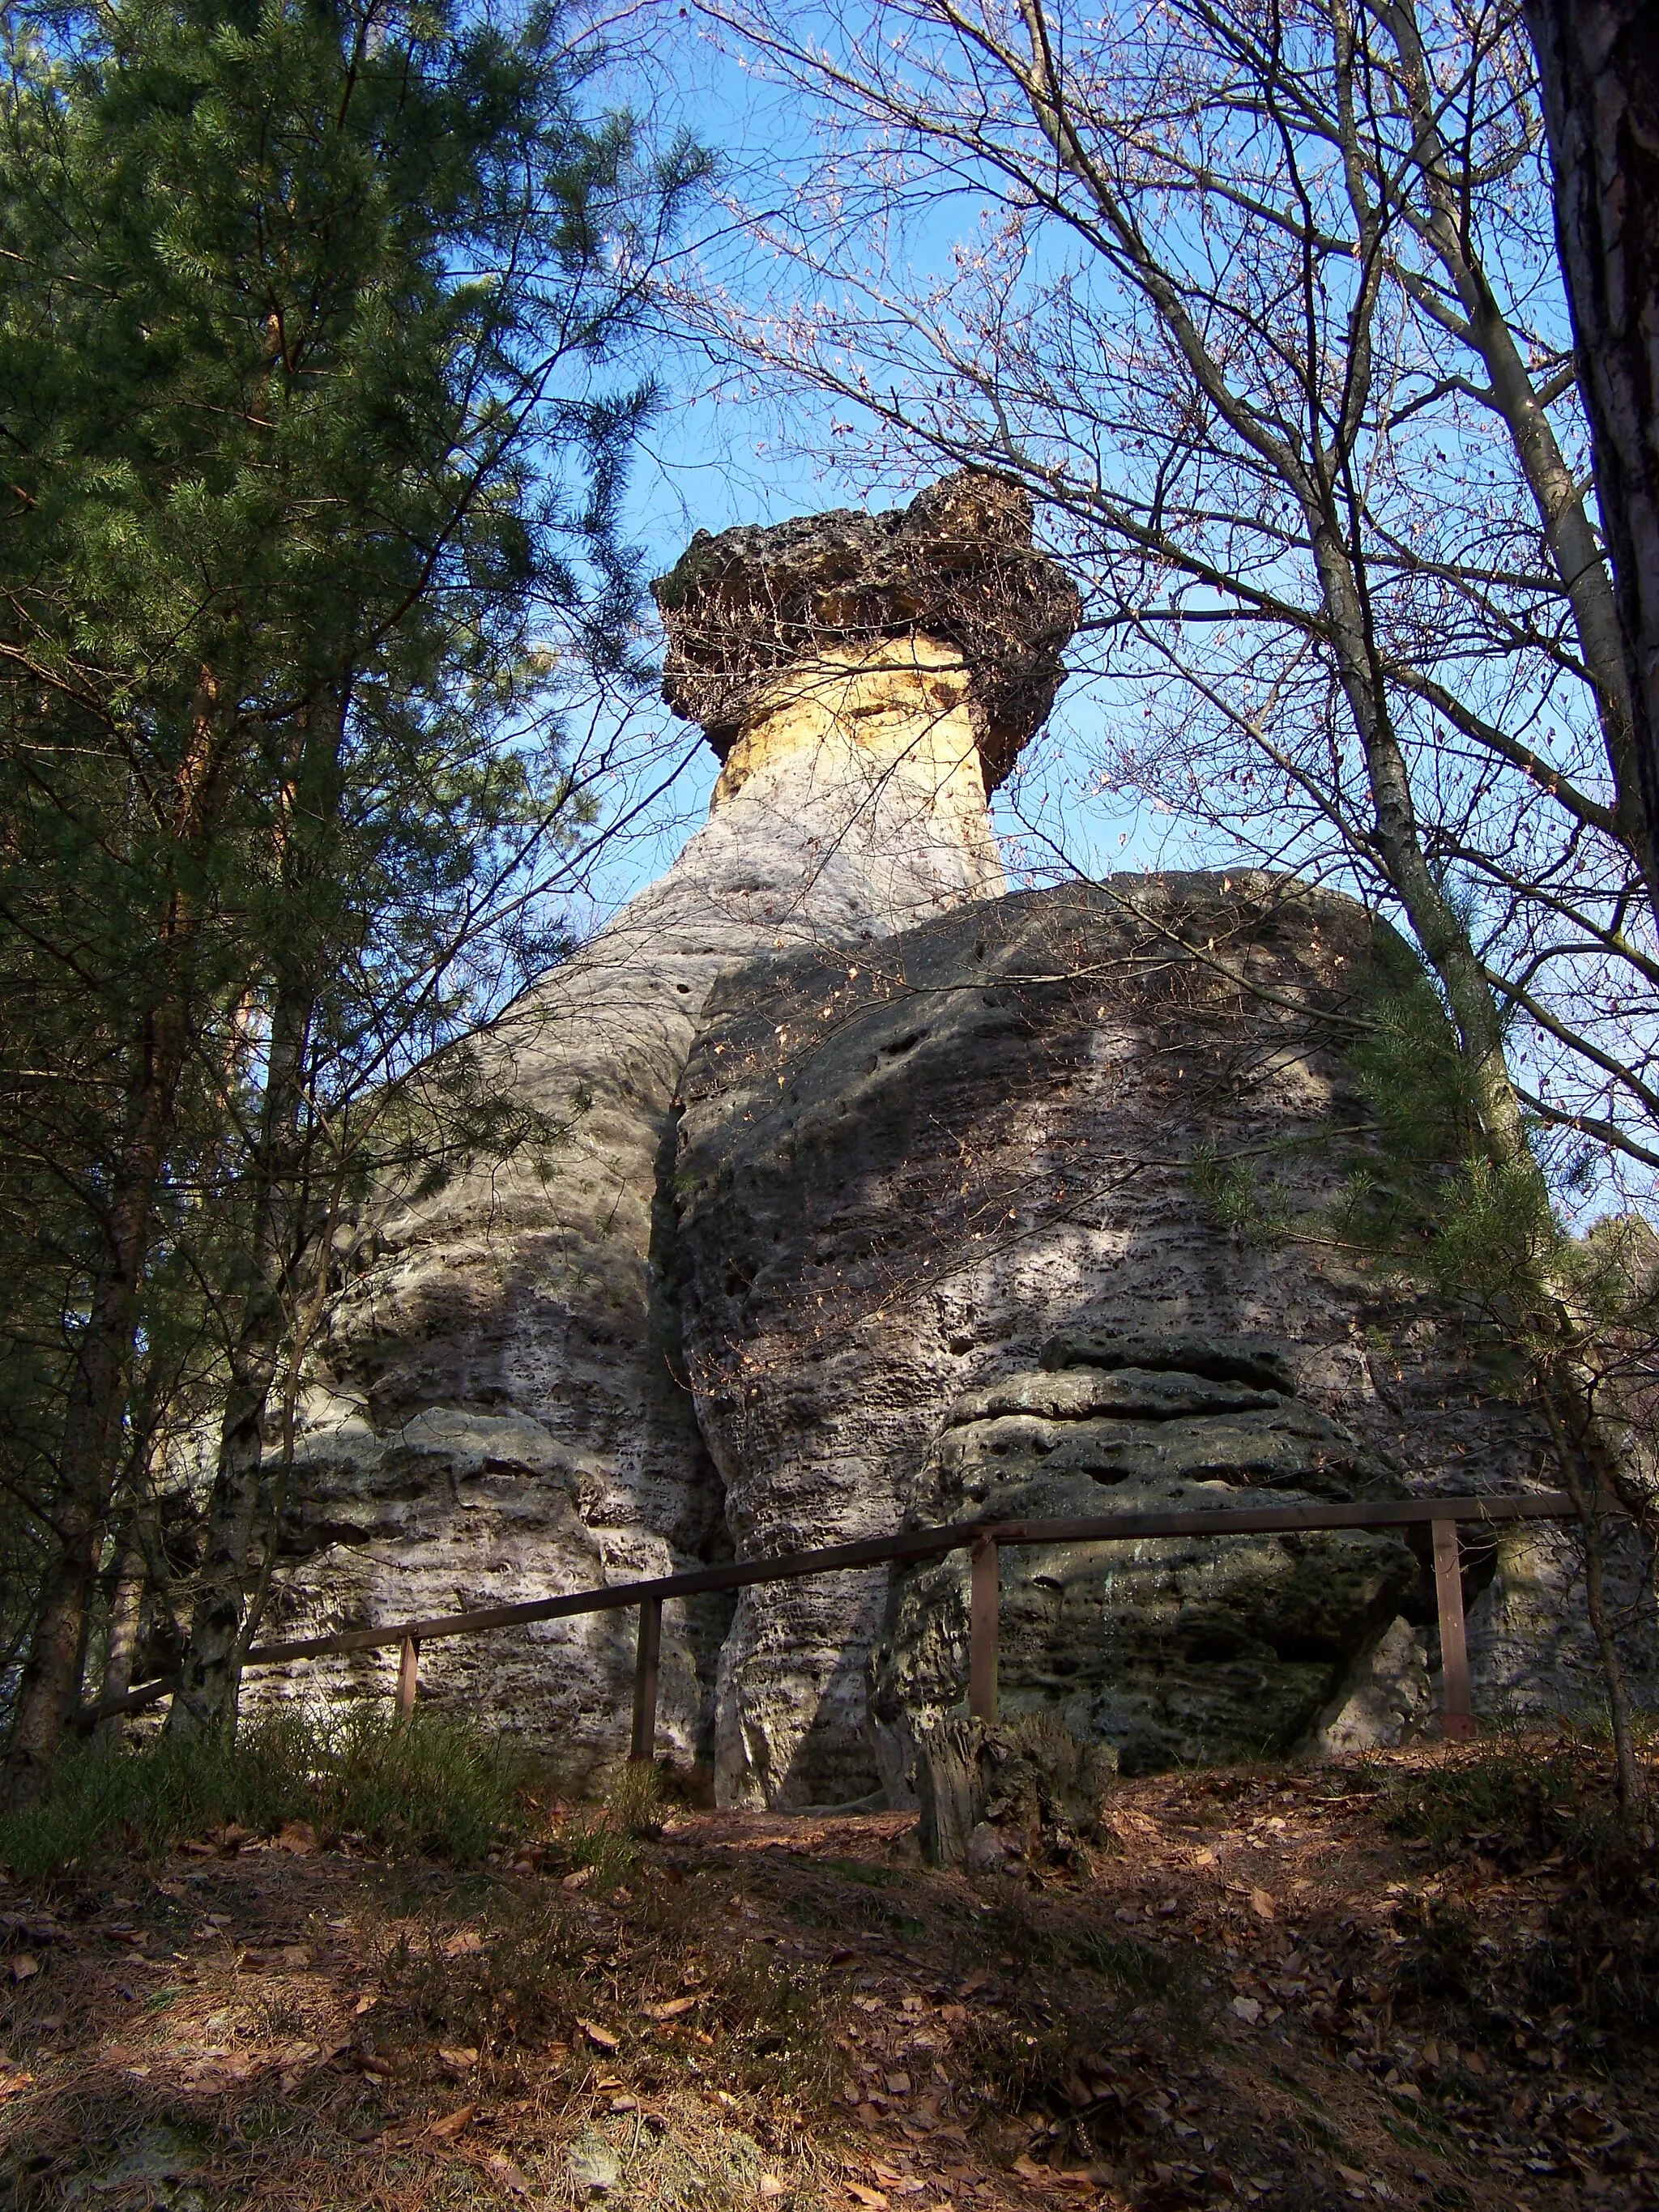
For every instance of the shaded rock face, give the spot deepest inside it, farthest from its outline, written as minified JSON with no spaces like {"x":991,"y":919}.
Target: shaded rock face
{"x":1169,"y":1650}
{"x":901,"y":1175}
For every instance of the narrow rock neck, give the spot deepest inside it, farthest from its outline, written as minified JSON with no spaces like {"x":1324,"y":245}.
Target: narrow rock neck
{"x":871,"y":756}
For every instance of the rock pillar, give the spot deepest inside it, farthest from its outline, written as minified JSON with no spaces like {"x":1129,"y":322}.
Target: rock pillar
{"x":501,"y":1410}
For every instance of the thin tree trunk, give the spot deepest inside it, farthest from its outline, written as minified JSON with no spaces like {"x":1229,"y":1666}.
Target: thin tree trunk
{"x":241,"y":1501}
{"x":211,"y":1674}
{"x":1558,"y":499}
{"x":92,"y":1452}
{"x":1598,"y":63}
{"x":1587,"y":1503}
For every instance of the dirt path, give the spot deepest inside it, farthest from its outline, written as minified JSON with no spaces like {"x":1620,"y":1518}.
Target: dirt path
{"x":1278,"y":1988}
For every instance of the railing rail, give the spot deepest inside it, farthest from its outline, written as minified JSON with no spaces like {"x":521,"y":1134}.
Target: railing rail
{"x":984,"y":1539}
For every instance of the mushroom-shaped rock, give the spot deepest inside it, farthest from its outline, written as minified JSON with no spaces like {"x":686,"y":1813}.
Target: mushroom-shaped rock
{"x":956,"y":571}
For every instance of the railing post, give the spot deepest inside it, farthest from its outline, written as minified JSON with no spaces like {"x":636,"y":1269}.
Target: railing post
{"x":1455,"y":1719}
{"x":984,"y":1594}
{"x":409,"y":1674}
{"x":644,"y":1745}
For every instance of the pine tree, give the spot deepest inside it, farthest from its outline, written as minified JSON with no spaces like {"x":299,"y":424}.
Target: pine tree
{"x":306,"y":311}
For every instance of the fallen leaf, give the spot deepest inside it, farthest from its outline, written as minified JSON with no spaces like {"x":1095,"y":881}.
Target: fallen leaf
{"x":1027,"y":2169}
{"x":464,"y":1942}
{"x":461,"y":2058}
{"x":1248,"y":2010}
{"x":295,"y":1955}
{"x":601,"y":2036}
{"x":872,"y":2197}
{"x":501,"y":2168}
{"x":1262,"y":1905}
{"x":367,"y":2002}
{"x":298,"y":1837}
{"x":24,"y":1967}
{"x":453,"y":2124}
{"x":672,"y":2008}
{"x":580,"y":1879}
{"x":771,"y":2186}
{"x":297,"y":2054}
{"x":11,"y":2084}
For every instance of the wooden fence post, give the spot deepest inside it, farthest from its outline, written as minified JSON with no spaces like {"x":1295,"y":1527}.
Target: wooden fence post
{"x":409,"y":1674}
{"x":1455,"y":1719}
{"x":985,"y":1591}
{"x":643,"y":1748}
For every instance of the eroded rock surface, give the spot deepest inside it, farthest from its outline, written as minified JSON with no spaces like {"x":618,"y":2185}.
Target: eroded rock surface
{"x":1169,"y":1650}
{"x":498,"y":1411}
{"x":956,"y":566}
{"x":902,"y":1174}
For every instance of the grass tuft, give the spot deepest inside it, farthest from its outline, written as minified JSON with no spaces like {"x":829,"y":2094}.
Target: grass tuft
{"x":427,"y":1784}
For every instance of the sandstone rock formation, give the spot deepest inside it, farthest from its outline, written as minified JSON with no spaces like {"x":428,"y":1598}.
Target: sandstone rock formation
{"x":1086,"y":1112}
{"x":1171,"y":1650}
{"x":499,"y":1411}
{"x":869,"y":1174}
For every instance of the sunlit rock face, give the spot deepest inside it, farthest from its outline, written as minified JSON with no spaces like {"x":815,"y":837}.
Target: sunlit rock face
{"x":909,"y":1178}
{"x":499,"y":1409}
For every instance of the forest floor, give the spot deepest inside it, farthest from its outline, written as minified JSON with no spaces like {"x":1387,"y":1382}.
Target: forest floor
{"x":1434,"y":1981}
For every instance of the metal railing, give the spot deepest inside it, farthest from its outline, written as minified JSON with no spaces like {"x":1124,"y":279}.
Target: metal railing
{"x":984,"y":1541}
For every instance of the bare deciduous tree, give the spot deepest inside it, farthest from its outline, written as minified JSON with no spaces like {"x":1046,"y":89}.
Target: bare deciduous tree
{"x":1261,"y":303}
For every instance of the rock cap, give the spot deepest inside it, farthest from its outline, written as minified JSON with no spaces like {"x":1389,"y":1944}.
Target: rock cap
{"x":957,"y":564}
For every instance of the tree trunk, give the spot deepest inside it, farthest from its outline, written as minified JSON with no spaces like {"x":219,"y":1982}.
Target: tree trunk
{"x":220,"y":1626}
{"x":1559,"y":500}
{"x":1598,"y":62}
{"x":126,"y":1614}
{"x":211,"y":1674}
{"x":91,"y":1452}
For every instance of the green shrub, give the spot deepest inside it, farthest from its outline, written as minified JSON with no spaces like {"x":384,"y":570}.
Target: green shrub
{"x":634,"y":1802}
{"x":427,"y":1784}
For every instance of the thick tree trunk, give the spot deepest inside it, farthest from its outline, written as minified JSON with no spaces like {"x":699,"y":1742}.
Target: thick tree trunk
{"x":126,"y":1614}
{"x":1598,"y":62}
